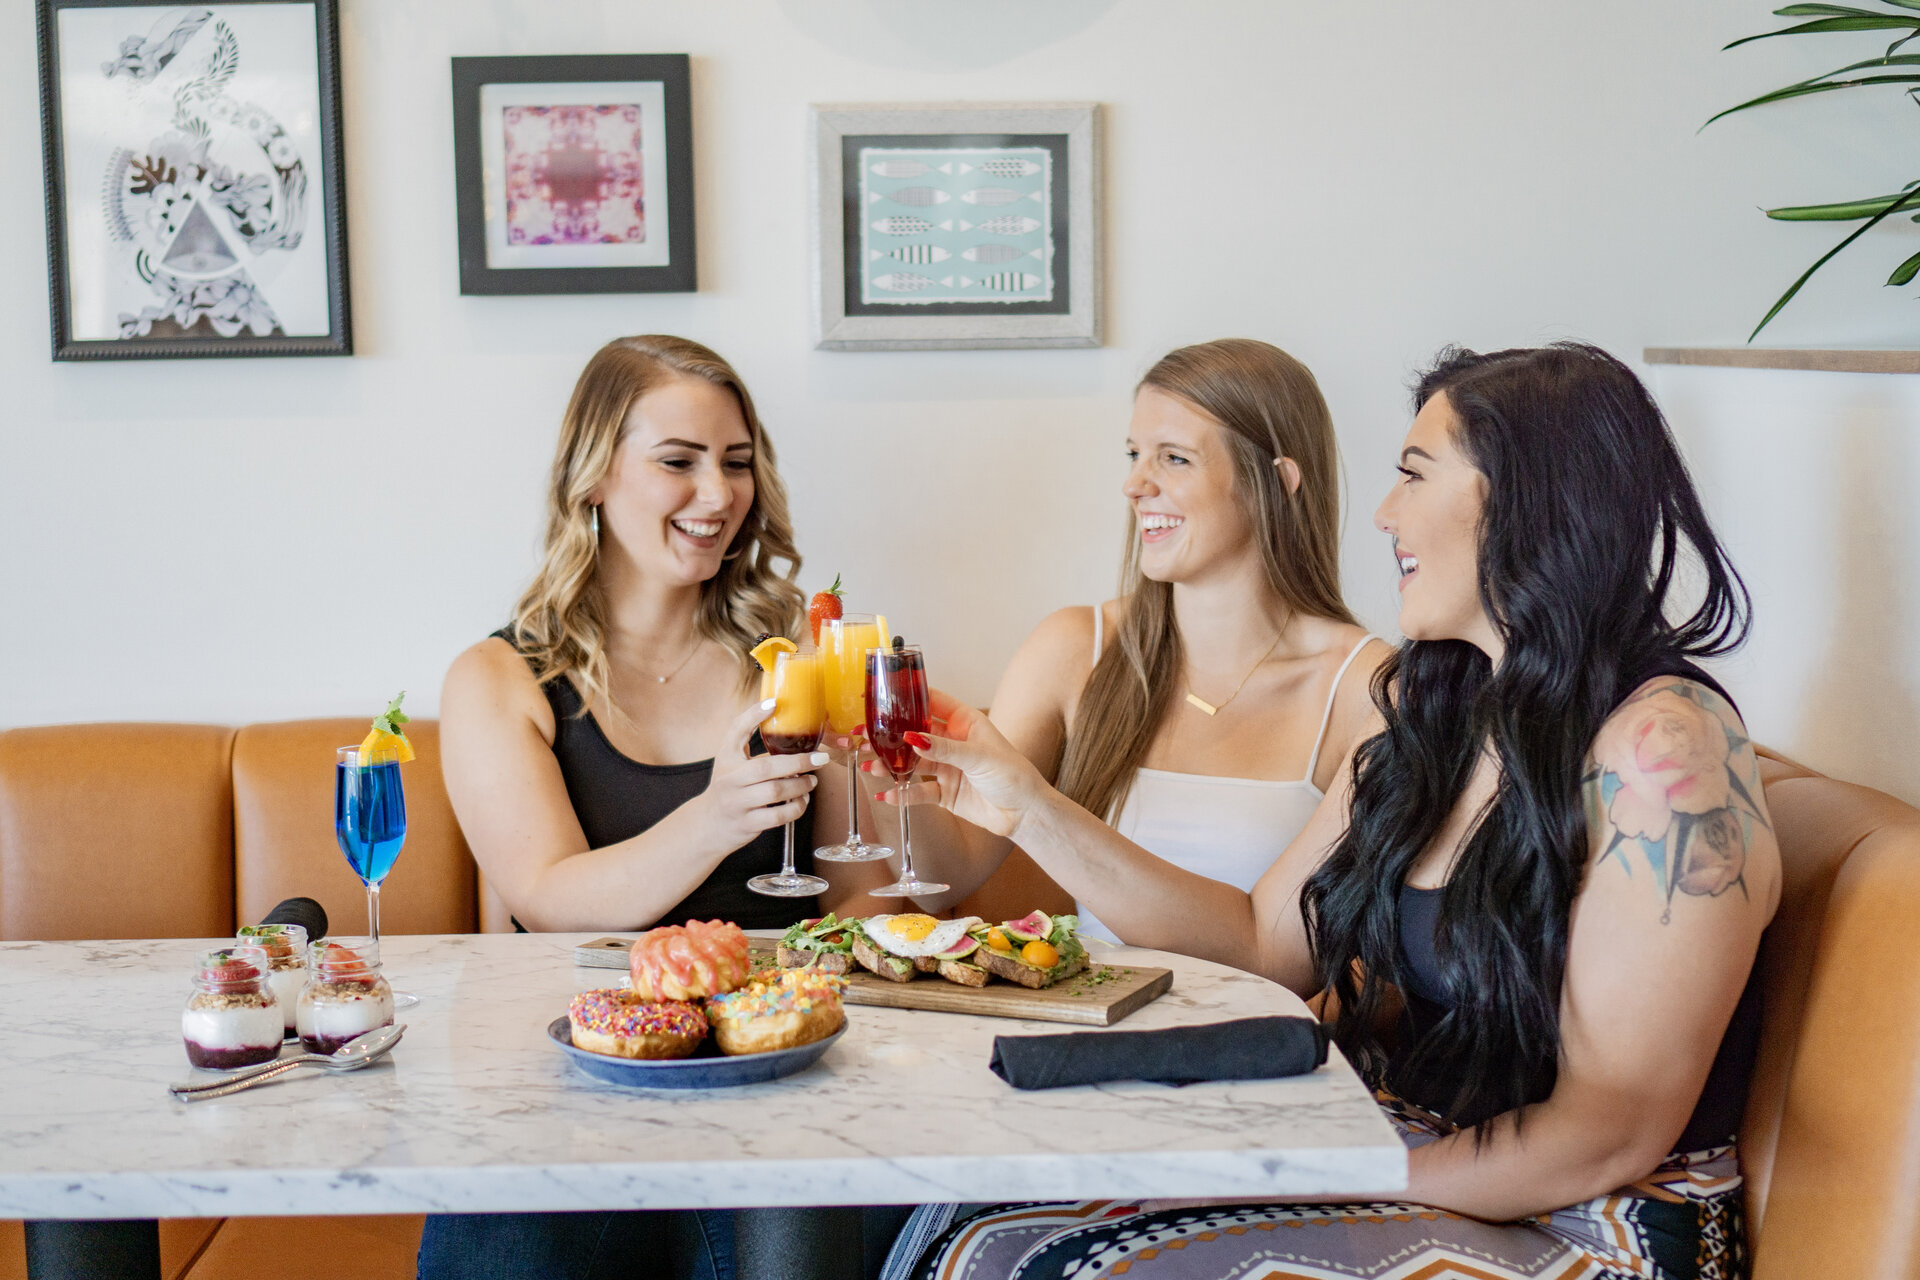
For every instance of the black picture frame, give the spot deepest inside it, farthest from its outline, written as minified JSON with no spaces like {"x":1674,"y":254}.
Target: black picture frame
{"x":329,"y":228}
{"x":672,"y":72}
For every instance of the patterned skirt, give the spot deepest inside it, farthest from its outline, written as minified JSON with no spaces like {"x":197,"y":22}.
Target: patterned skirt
{"x":1684,"y":1222}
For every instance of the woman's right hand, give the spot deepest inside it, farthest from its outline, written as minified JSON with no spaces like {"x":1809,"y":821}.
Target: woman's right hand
{"x":982,"y":777}
{"x":750,"y":794}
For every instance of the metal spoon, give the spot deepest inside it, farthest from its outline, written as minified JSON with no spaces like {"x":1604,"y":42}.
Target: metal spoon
{"x":358,"y":1052}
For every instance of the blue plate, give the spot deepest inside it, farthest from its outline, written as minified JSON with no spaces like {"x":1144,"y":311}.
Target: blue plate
{"x":708,"y":1069}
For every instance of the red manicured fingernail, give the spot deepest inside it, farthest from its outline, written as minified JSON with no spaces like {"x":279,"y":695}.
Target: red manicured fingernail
{"x":918,"y":741}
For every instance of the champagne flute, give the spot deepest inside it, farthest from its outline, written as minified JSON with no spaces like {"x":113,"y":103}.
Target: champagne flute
{"x":897,"y":705}
{"x":370,"y":824}
{"x":799,"y":718}
{"x":844,"y":645}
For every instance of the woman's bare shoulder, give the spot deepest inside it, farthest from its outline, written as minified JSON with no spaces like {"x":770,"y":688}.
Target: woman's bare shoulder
{"x":1354,"y":715}
{"x":490,"y":680}
{"x":1061,"y":642}
{"x":1045,"y":674}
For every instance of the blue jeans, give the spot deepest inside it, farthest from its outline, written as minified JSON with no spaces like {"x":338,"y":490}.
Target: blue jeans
{"x":689,"y":1244}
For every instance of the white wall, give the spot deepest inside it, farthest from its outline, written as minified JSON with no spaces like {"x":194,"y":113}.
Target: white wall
{"x":246,"y":540}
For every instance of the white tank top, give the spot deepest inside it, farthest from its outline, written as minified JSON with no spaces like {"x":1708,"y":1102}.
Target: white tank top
{"x":1229,"y":829}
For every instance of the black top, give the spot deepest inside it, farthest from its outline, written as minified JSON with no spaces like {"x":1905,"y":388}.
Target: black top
{"x":616,"y":798}
{"x":1716,"y":1117}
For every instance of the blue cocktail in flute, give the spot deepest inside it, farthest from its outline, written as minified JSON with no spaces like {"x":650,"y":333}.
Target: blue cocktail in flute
{"x":370,"y":807}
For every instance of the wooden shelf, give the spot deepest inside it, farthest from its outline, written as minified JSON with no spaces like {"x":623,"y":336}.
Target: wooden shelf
{"x":1833,"y":361}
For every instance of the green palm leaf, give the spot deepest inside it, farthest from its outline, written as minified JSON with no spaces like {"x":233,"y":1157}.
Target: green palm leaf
{"x":1908,"y":201}
{"x":1845,"y":211}
{"x":1862,"y":22}
{"x":1905,"y":272}
{"x":1821,"y":85}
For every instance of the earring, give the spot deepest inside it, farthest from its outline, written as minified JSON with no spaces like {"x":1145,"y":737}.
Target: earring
{"x":593,"y":520}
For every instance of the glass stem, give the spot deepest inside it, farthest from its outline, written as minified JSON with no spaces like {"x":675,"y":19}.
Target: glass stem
{"x":853,"y":794}
{"x":786,"y":856}
{"x":906,"y":831}
{"x":373,"y":912}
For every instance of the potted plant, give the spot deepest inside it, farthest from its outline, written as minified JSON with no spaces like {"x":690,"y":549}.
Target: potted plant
{"x":1893,"y":67}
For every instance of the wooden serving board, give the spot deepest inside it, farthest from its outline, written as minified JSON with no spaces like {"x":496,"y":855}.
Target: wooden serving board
{"x":1099,"y":996}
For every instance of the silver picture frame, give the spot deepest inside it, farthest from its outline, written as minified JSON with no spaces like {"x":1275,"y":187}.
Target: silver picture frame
{"x":1016,"y":260}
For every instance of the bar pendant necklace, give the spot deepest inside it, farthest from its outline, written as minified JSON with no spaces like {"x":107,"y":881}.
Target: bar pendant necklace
{"x":1201,"y":704}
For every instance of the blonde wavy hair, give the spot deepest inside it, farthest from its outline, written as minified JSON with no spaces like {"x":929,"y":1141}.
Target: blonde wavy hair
{"x":560,"y":623}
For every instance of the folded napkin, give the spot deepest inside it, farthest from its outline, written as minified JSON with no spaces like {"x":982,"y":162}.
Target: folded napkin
{"x":1245,"y":1049}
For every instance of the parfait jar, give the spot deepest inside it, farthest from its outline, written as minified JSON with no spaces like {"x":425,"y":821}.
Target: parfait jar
{"x":232,"y":1019}
{"x":286,"y":948}
{"x":346,"y":994}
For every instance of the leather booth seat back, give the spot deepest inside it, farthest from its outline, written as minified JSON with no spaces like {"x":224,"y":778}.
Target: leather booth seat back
{"x":116,"y":831}
{"x":1830,"y":1147}
{"x":284,"y":844}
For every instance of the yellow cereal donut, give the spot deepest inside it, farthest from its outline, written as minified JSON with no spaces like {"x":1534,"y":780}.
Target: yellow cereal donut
{"x":778,"y":1011}
{"x":622,"y":1024}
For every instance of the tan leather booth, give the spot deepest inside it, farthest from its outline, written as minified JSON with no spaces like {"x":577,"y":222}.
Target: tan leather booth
{"x":1831,"y":1144}
{"x":121,"y":831}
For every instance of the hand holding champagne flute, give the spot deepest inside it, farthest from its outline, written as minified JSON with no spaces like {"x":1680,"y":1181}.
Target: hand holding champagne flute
{"x":799,"y":717}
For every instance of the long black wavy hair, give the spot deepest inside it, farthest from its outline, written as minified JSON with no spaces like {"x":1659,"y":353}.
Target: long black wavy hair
{"x":1588,"y":504}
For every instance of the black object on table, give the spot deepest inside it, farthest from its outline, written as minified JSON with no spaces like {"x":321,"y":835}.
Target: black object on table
{"x":1244,"y":1049}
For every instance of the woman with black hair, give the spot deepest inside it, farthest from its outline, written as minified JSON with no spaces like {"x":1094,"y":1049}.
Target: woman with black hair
{"x":1533,"y":900}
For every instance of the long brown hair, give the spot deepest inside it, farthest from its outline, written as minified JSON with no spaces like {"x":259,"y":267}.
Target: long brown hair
{"x":1268,"y":406}
{"x":560,"y":622}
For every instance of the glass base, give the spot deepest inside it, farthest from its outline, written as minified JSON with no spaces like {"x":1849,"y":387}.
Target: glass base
{"x":405,"y":999}
{"x":909,"y":888}
{"x":781,"y":886}
{"x":854,"y":850}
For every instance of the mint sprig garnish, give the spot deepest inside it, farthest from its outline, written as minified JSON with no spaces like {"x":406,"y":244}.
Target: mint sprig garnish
{"x":390,"y":720}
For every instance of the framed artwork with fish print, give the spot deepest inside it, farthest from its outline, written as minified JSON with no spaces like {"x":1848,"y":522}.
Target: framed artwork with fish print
{"x":574,"y":174}
{"x":956,"y":226}
{"x":193,"y":171}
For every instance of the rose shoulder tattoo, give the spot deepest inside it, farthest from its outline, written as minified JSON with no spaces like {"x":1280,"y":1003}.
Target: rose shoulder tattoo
{"x":1674,"y":775}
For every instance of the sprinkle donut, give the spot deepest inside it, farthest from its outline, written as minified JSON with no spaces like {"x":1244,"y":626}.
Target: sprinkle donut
{"x":783,"y":1011}
{"x":622,"y":1024}
{"x":689,"y":962}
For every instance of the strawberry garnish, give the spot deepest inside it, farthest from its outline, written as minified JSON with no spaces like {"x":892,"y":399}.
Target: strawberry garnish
{"x":824,"y":606}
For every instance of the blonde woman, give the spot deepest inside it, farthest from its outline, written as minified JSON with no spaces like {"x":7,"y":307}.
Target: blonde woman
{"x":601,"y":751}
{"x":1205,"y":712}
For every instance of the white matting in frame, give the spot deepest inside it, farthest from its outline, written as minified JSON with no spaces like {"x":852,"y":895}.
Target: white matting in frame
{"x":845,"y":300}
{"x":192,"y":163}
{"x":649,"y":96}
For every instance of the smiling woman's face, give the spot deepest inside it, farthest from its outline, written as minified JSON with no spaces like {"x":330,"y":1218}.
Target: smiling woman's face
{"x":1433,"y":515}
{"x":1189,"y":518}
{"x":681,"y":482}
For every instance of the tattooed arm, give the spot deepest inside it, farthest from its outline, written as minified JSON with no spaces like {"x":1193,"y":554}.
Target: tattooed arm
{"x":1684,"y":875}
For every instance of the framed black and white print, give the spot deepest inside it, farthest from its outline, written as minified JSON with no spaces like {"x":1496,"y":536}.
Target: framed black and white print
{"x":956,"y":226}
{"x":574,"y":174}
{"x":193,"y":178}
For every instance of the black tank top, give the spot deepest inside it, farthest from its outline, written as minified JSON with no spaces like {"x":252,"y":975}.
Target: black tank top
{"x":1723,"y":1100}
{"x":616,"y":798}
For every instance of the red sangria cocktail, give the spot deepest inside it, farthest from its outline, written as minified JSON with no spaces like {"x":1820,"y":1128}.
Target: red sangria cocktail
{"x":799,"y":717}
{"x":897,"y":704}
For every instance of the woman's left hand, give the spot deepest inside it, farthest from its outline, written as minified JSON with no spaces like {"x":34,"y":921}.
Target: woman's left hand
{"x":982,"y":777}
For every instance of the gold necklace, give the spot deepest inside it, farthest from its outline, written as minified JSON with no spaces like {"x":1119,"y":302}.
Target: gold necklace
{"x":697,"y":642}
{"x":1214,"y":709}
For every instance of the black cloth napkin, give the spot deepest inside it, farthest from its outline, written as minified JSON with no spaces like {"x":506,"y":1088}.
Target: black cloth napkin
{"x":1245,"y":1049}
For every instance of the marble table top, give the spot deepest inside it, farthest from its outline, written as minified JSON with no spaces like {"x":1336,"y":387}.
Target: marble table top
{"x":478,"y":1111}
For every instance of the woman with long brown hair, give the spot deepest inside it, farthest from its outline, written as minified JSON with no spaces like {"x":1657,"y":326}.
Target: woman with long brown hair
{"x":601,"y":750}
{"x":1203,"y":712}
